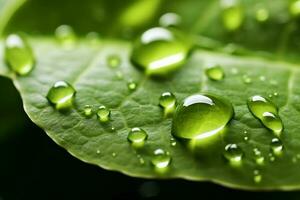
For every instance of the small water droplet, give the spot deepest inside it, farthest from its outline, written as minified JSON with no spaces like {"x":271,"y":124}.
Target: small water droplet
{"x":173,"y":142}
{"x":266,"y":112}
{"x":113,"y":61}
{"x":98,"y":151}
{"x":18,"y":55}
{"x":259,"y":159}
{"x":262,"y":15}
{"x":294,"y":8}
{"x":215,"y":73}
{"x":234,"y":154}
{"x":160,"y":51}
{"x":132,"y":85}
{"x":167,"y":101}
{"x":137,"y":136}
{"x":271,"y":157}
{"x":246,"y":138}
{"x":276,"y":146}
{"x":257,"y":176}
{"x":61,"y":95}
{"x":114,"y":154}
{"x":201,"y":116}
{"x":65,"y":35}
{"x":232,"y":14}
{"x":247,"y":79}
{"x":141,"y":159}
{"x":169,"y":19}
{"x":103,"y":114}
{"x":275,"y":94}
{"x":262,"y":78}
{"x":88,"y":110}
{"x":161,"y":159}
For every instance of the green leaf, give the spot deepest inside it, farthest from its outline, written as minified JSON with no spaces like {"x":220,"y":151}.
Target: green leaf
{"x":84,"y":66}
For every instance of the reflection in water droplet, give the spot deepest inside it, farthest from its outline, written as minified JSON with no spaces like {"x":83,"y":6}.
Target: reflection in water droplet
{"x":137,"y":136}
{"x":234,"y":154}
{"x":169,"y":19}
{"x":232,"y":14}
{"x":201,"y":116}
{"x":161,"y":159}
{"x":215,"y":73}
{"x":160,"y":51}
{"x":276,"y":146}
{"x":266,"y":112}
{"x":167,"y":101}
{"x":113,"y":61}
{"x":18,"y":55}
{"x":61,"y":95}
{"x":65,"y":35}
{"x":103,"y":114}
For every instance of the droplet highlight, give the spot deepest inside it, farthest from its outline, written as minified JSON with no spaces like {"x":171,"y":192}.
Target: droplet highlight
{"x":167,"y":101}
{"x":276,"y":147}
{"x":161,"y":159}
{"x":103,"y":114}
{"x":215,"y":73}
{"x":234,"y":154}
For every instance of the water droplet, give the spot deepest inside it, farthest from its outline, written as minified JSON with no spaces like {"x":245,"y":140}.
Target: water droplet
{"x":137,"y":136}
{"x":234,"y":154}
{"x":65,"y":35}
{"x":141,"y":159}
{"x":215,"y":73}
{"x":169,"y":19}
{"x":275,"y":94}
{"x":266,"y":112}
{"x":262,"y":15}
{"x":98,"y":151}
{"x":276,"y":146}
{"x":247,"y":79}
{"x":262,"y":78}
{"x":232,"y":14}
{"x":88,"y":110}
{"x":167,"y":101}
{"x":294,"y":8}
{"x":201,"y":116}
{"x":61,"y":95}
{"x":271,"y":157}
{"x":131,"y":85}
{"x":113,"y":61}
{"x":246,"y":138}
{"x":18,"y":55}
{"x":257,"y":176}
{"x":103,"y":114}
{"x":173,"y":142}
{"x":160,"y":51}
{"x":114,"y":154}
{"x":259,"y":159}
{"x":161,"y":159}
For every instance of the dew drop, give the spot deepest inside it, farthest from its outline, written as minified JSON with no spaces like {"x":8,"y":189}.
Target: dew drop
{"x":141,"y":159}
{"x":161,"y":159}
{"x":257,"y":176}
{"x":247,"y":79}
{"x":201,"y":116}
{"x":103,"y":114}
{"x":173,"y":142}
{"x":98,"y":151}
{"x":294,"y":8}
{"x":65,"y":35}
{"x":113,"y":61}
{"x":262,"y":15}
{"x":137,"y":136}
{"x":18,"y":55}
{"x":234,"y":154}
{"x":259,"y":159}
{"x":167,"y":101}
{"x":131,"y":85}
{"x":215,"y":73}
{"x":246,"y":138}
{"x":276,"y":147}
{"x":61,"y":95}
{"x":160,"y":51}
{"x":169,"y":19}
{"x":232,"y":14}
{"x":114,"y":154}
{"x":88,"y":110}
{"x":266,"y":112}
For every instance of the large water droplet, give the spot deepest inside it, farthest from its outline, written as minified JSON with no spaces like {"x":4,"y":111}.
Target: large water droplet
{"x":276,"y":146}
{"x":137,"y":136}
{"x":61,"y":95}
{"x":160,"y":51}
{"x":266,"y":112}
{"x":103,"y":114}
{"x":65,"y":35}
{"x":18,"y":54}
{"x":234,"y":154}
{"x":232,"y":14}
{"x":201,"y":116}
{"x":295,"y":8}
{"x":161,"y":159}
{"x":215,"y":73}
{"x":169,"y":19}
{"x":167,"y":101}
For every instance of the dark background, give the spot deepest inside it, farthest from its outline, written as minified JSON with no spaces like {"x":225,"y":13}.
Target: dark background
{"x":33,"y":167}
